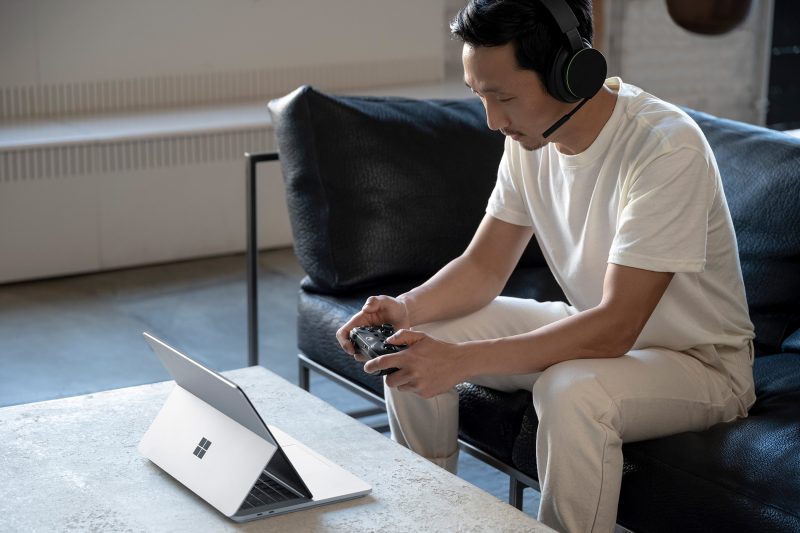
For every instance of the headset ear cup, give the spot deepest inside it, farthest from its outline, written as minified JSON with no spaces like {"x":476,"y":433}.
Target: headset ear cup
{"x":556,"y":78}
{"x":584,"y":72}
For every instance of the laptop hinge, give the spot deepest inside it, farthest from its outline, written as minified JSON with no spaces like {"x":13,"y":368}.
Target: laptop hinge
{"x":280,"y":467}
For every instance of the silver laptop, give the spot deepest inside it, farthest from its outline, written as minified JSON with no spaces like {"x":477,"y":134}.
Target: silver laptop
{"x":209,"y":437}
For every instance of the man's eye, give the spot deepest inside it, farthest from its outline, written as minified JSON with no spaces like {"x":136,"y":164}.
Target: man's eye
{"x":504,"y":100}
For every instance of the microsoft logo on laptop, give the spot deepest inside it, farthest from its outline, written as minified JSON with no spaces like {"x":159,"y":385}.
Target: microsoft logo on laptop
{"x":202,"y":448}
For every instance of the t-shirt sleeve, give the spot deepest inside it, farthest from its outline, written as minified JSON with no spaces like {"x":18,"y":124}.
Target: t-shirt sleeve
{"x":663,"y":224}
{"x":506,"y":202}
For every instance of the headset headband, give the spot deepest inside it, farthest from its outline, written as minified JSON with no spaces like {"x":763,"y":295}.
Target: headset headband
{"x":566,"y":21}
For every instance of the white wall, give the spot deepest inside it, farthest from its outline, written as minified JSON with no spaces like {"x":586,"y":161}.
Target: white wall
{"x":48,"y":41}
{"x":452,"y":47}
{"x":45,"y":43}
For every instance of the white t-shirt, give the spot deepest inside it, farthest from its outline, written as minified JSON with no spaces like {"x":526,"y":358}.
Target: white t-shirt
{"x":646,"y":194}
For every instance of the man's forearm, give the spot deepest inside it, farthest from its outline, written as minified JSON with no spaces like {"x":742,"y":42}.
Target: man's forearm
{"x":459,"y":288}
{"x":595,"y":333}
{"x":608,"y":330}
{"x":472,"y":280}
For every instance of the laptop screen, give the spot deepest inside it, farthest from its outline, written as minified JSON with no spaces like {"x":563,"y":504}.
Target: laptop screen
{"x":229,"y":399}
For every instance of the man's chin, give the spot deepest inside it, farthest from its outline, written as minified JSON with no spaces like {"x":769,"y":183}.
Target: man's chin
{"x":526,"y":142}
{"x":531,"y":146}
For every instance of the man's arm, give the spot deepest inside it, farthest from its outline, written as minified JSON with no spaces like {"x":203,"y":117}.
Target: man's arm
{"x":472,"y":280}
{"x":466,"y":284}
{"x":430,"y":367}
{"x":630,"y":296}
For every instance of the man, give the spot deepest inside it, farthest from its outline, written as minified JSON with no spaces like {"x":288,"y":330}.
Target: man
{"x":625,"y":200}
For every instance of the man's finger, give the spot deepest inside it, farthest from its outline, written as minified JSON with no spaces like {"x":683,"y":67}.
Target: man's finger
{"x":401,"y":380}
{"x":372,"y":304}
{"x":343,"y":333}
{"x":406,"y":336}
{"x":383,"y":362}
{"x":343,"y":336}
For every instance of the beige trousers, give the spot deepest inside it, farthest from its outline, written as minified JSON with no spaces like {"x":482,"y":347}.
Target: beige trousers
{"x":586,"y":408}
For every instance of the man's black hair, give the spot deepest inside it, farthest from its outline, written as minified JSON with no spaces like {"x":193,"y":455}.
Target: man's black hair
{"x":525,"y":23}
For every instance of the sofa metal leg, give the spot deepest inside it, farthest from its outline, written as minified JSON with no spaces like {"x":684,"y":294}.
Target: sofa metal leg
{"x":251,"y":217}
{"x":515,"y":489}
{"x":304,"y":376}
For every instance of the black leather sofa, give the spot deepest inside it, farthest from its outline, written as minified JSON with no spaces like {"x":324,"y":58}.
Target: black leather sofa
{"x":384,"y":191}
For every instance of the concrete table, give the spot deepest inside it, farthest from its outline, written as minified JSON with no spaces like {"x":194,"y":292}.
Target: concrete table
{"x":72,"y":465}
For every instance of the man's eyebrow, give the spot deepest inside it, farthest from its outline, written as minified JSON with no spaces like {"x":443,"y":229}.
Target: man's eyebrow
{"x":488,"y":90}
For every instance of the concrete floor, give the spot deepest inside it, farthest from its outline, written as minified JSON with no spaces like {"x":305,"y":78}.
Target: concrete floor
{"x":81,"y":334}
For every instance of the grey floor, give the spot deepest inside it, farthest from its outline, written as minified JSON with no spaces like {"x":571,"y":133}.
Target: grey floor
{"x":83,"y":334}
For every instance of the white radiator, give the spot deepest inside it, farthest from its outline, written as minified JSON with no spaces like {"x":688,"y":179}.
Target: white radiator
{"x":131,"y":94}
{"x":81,"y":208}
{"x":129,"y":156}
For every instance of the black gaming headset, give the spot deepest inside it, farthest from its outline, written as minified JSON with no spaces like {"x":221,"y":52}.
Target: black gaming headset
{"x":578,"y":70}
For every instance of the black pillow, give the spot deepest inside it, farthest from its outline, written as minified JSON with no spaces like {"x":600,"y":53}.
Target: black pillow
{"x":382,"y":188}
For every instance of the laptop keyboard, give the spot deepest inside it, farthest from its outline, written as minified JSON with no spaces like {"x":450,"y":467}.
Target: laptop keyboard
{"x":267,"y":491}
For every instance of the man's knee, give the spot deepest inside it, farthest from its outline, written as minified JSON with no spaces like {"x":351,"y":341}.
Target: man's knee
{"x":569,"y":393}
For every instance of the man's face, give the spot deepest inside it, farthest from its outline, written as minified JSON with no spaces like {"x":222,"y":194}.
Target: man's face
{"x":516,"y":102}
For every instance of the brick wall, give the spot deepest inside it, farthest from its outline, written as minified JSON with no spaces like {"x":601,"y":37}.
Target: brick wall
{"x":723,"y":75}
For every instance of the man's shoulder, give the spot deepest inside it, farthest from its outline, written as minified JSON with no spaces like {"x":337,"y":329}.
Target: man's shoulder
{"x":659,"y":121}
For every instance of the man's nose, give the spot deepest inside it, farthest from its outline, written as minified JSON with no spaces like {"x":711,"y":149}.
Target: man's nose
{"x":496,"y":118}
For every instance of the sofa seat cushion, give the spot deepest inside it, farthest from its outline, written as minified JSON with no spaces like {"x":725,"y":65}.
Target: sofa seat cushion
{"x":490,"y":420}
{"x":523,"y":455}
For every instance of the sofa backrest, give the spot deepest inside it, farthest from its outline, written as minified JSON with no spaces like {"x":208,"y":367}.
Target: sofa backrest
{"x":760,"y":170}
{"x":383,"y":188}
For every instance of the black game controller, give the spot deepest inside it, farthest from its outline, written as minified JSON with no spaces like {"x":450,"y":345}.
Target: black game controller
{"x":370,"y":342}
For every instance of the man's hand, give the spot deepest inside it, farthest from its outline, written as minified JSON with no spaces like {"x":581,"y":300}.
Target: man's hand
{"x":377,"y":310}
{"x":428,"y":367}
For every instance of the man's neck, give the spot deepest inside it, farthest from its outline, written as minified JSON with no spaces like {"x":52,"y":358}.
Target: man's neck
{"x":582,"y":130}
